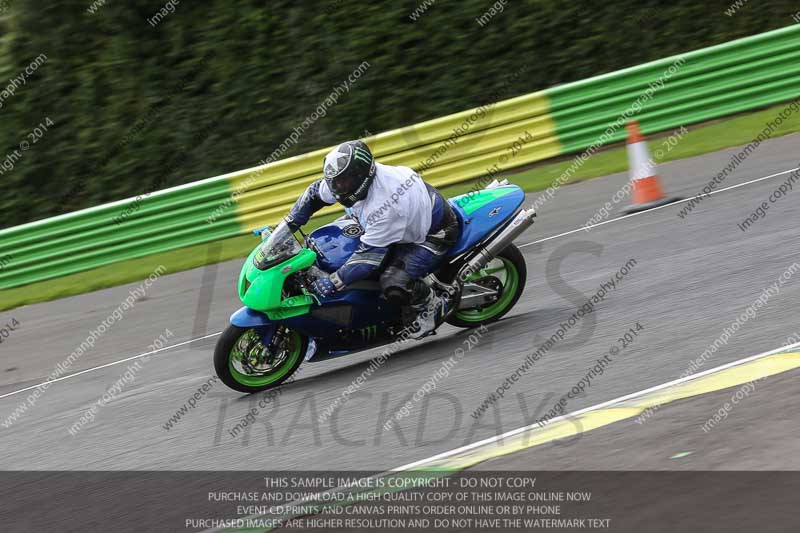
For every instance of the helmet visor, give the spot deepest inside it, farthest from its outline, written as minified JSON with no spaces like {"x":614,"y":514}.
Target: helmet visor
{"x":344,"y":185}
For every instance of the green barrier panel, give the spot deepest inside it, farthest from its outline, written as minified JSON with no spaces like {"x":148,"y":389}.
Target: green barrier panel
{"x":87,"y":239}
{"x":698,"y":86}
{"x":705,"y":84}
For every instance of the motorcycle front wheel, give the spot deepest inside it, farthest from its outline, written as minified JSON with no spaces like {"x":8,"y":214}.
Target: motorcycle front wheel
{"x":244,"y":363}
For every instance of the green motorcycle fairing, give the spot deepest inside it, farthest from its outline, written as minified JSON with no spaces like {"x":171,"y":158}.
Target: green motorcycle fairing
{"x":261,"y":290}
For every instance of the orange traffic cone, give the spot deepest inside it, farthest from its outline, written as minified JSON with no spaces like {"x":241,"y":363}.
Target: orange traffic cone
{"x":647,"y":191}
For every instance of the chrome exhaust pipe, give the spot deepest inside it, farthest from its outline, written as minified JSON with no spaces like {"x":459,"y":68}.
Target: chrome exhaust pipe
{"x":521,"y":222}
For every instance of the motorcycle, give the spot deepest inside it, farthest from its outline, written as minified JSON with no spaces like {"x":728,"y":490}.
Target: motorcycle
{"x":283,"y":324}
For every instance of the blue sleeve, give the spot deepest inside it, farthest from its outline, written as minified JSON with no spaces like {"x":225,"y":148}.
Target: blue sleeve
{"x":306,"y":205}
{"x":366,"y":260}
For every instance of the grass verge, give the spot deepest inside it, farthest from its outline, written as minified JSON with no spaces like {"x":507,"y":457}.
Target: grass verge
{"x":701,"y":139}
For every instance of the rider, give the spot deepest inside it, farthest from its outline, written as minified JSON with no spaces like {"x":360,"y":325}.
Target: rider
{"x":408,"y":229}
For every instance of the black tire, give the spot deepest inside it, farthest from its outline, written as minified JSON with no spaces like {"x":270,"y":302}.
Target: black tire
{"x":511,"y":254}
{"x":222,"y":366}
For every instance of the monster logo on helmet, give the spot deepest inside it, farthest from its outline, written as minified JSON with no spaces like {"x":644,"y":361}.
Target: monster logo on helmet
{"x":349,"y":170}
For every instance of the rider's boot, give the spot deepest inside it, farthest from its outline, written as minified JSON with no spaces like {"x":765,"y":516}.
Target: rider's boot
{"x":430,"y":313}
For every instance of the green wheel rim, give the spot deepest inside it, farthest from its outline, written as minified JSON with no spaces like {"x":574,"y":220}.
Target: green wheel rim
{"x":259,"y":380}
{"x":509,"y":290}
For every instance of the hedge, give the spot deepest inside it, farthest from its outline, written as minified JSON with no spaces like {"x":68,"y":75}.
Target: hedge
{"x":217,"y":86}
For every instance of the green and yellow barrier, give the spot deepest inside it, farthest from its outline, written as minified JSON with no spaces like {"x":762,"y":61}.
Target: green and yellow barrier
{"x":705,"y":84}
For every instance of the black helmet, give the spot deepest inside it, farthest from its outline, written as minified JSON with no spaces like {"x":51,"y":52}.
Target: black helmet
{"x":349,"y":170}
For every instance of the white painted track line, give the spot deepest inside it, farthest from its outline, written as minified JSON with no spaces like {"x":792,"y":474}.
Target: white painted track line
{"x":520,"y":246}
{"x":657,"y":208}
{"x":70,"y":376}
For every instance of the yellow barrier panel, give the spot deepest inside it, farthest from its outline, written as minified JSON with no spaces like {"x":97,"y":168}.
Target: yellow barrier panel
{"x":446,"y":150}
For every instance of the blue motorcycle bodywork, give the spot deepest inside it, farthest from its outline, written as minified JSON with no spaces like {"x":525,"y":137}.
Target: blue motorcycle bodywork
{"x":477,"y":222}
{"x":359,"y":319}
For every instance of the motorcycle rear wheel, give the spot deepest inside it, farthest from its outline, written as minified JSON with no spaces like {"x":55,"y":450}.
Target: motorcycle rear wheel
{"x":510,"y":270}
{"x":244,"y":364}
